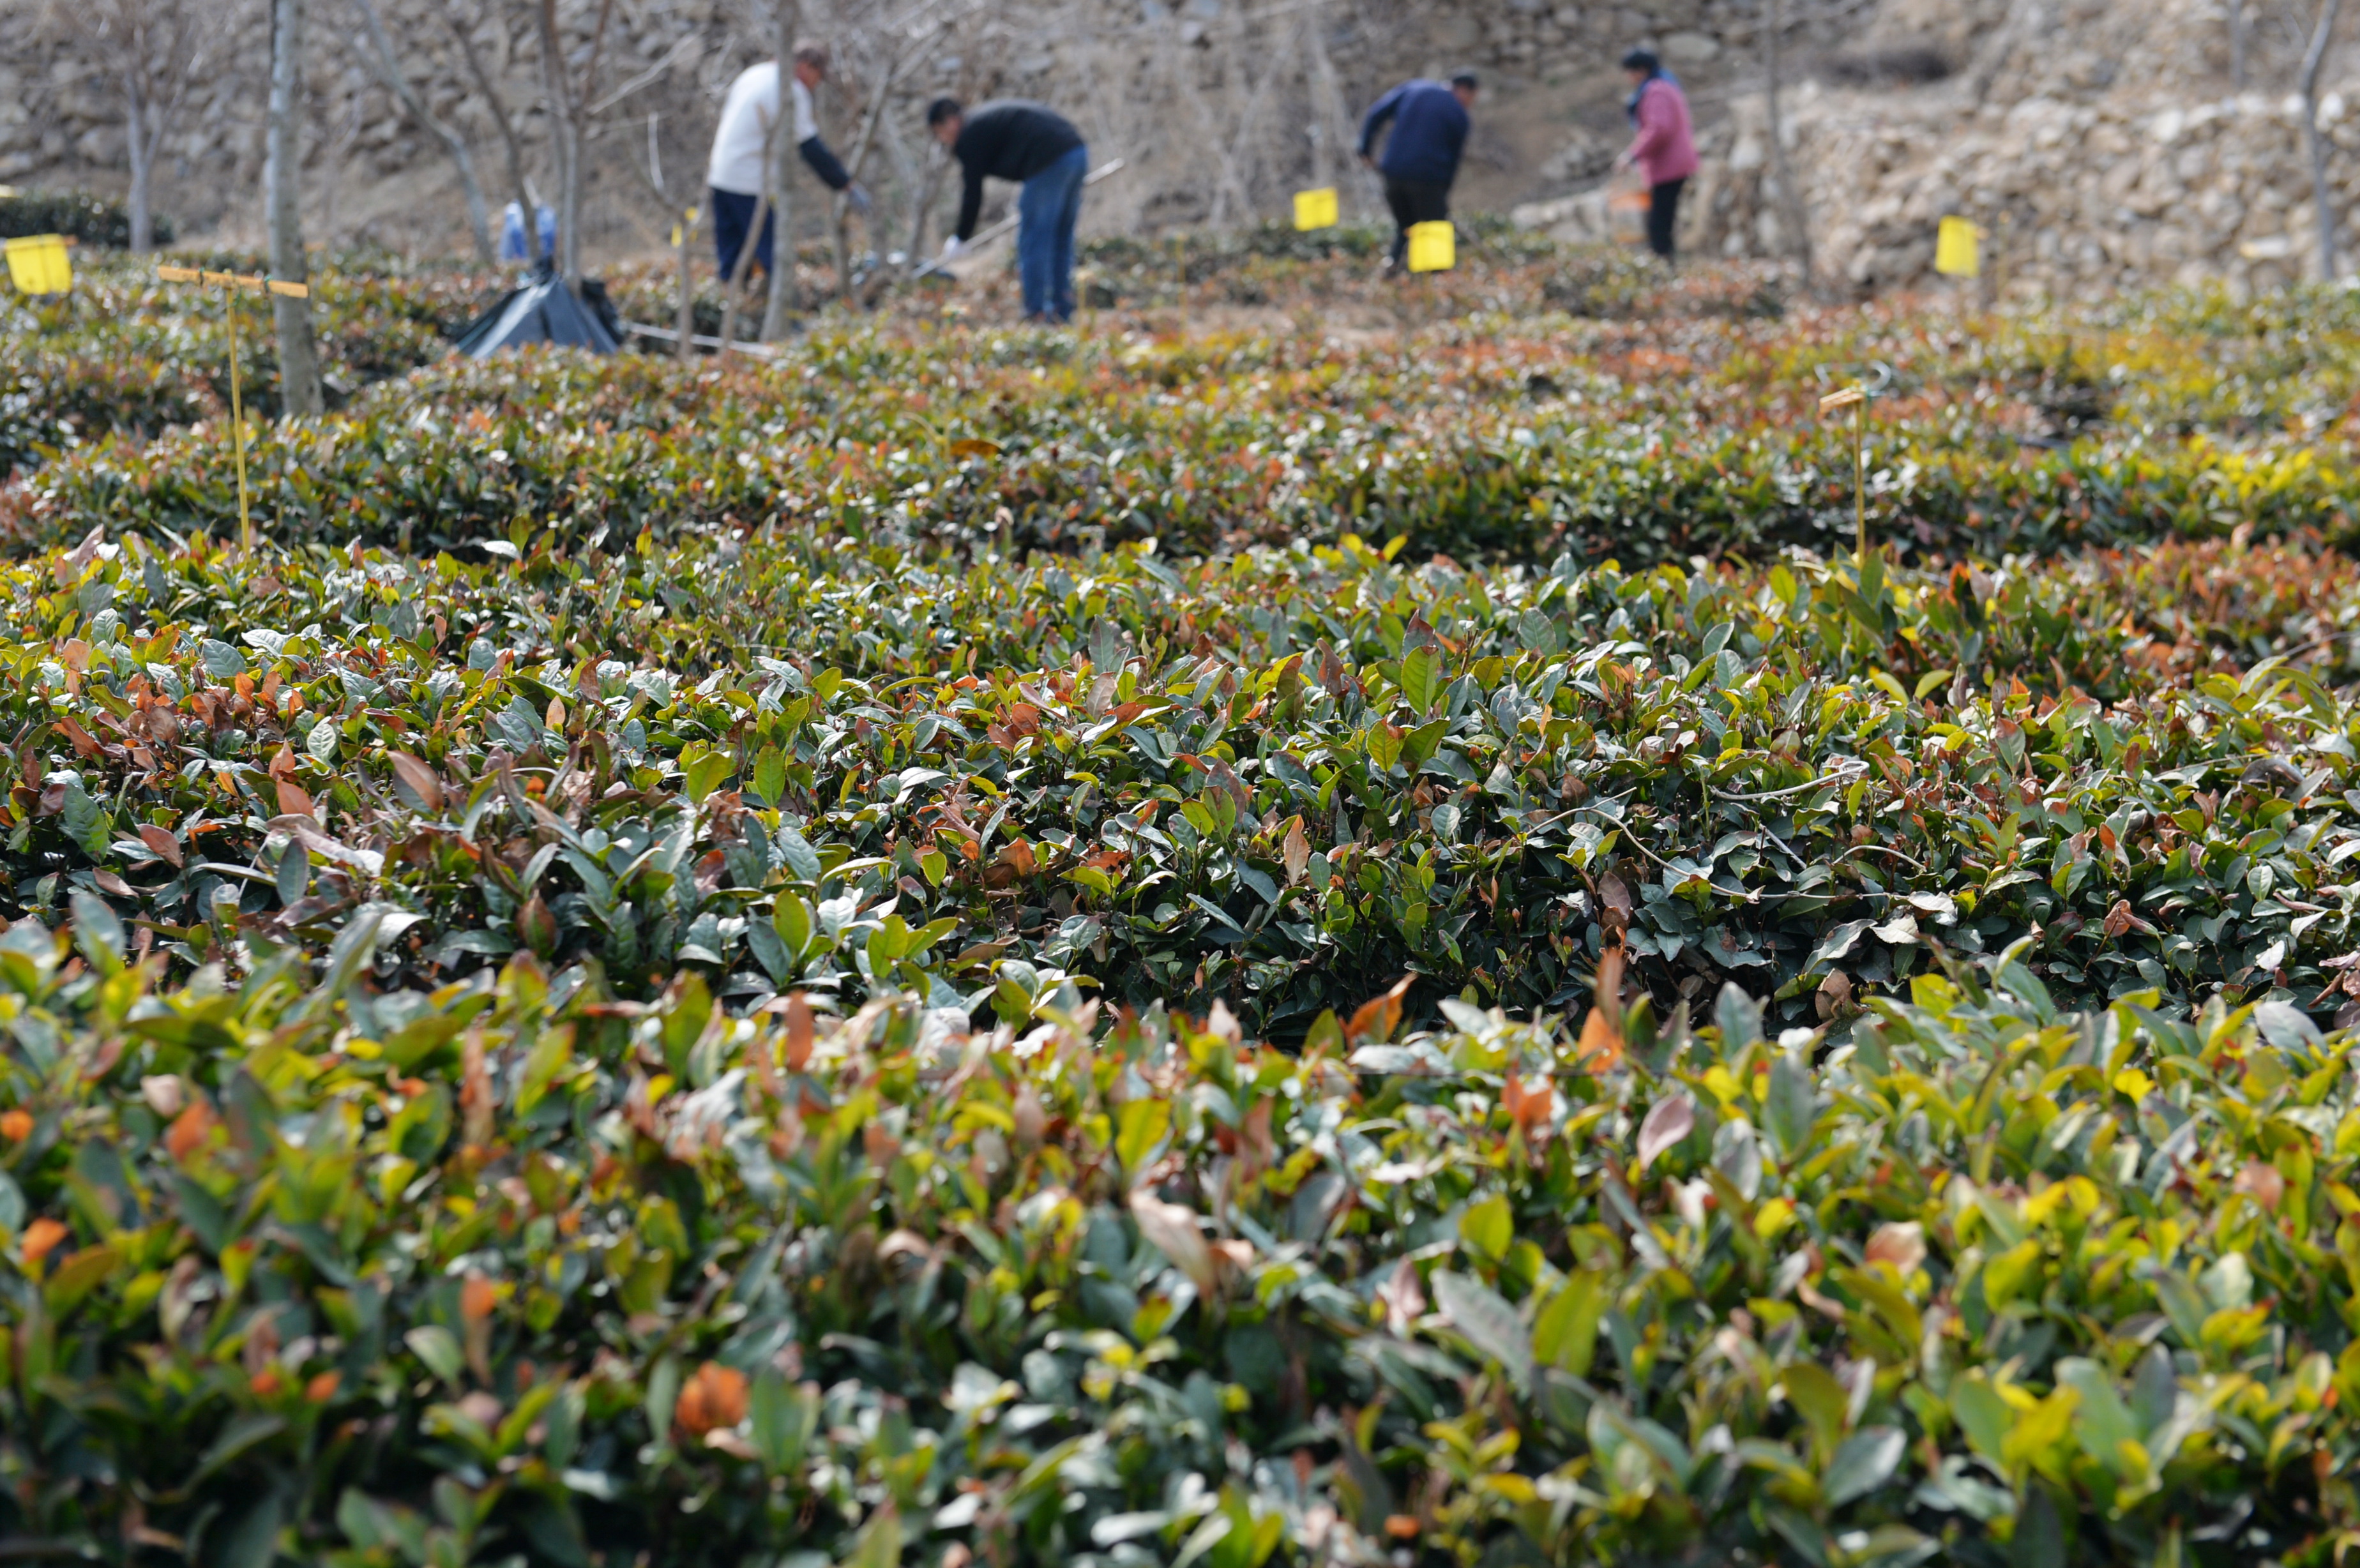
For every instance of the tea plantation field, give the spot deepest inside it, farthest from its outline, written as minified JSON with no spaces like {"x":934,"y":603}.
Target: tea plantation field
{"x":1299,"y":926}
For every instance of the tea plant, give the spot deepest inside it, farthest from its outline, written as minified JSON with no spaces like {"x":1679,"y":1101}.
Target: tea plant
{"x":516,"y":1268}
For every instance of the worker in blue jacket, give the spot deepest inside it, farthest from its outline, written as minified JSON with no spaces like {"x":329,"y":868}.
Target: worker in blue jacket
{"x":1429,"y":131}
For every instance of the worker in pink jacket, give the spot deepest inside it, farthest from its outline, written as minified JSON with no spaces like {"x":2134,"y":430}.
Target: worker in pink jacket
{"x":1665,"y":148}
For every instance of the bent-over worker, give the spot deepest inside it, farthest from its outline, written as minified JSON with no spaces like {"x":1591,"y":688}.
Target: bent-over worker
{"x":1665,"y":148}
{"x":740,"y":170}
{"x":1012,"y":138}
{"x":1429,"y":133}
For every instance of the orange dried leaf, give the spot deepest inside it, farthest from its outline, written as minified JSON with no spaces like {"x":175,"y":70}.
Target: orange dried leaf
{"x":2262,"y":1183}
{"x":1376,"y":1018}
{"x":714,"y":1399}
{"x":41,"y":1238}
{"x":189,"y":1130}
{"x":1600,"y":1051}
{"x":799,"y":1033}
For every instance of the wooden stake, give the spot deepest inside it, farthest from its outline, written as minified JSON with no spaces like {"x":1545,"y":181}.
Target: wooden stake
{"x":237,"y":429}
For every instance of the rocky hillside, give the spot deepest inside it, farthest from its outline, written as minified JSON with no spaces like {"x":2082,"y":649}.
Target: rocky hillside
{"x":2101,"y":145}
{"x":2101,"y":142}
{"x":1220,"y":108}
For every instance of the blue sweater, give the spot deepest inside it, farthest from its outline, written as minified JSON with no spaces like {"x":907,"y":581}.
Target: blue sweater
{"x":1429,"y":131}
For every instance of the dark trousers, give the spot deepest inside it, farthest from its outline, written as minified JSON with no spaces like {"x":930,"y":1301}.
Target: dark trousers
{"x":1415,"y":201}
{"x":1663,"y":215}
{"x":733,"y":215}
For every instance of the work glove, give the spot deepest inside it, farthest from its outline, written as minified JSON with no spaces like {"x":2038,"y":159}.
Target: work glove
{"x":859,"y":198}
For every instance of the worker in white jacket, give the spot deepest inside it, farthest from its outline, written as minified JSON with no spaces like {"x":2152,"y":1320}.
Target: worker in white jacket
{"x":739,"y":169}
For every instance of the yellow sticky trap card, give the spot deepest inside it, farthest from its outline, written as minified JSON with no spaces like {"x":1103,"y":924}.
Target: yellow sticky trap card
{"x":1433,"y":247}
{"x":1958,"y":249}
{"x":37,"y":265}
{"x":1315,"y":209}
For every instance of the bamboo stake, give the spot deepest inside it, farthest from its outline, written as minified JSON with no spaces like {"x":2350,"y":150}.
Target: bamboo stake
{"x":683,"y":235}
{"x":1855,"y":399}
{"x":231,"y":284}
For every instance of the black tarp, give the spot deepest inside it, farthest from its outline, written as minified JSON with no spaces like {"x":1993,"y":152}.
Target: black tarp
{"x":543,"y":311}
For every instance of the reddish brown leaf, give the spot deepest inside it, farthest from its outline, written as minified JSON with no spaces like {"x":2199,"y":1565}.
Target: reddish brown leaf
{"x":1295,"y":850}
{"x":537,"y":925}
{"x":419,"y":779}
{"x":799,"y":1032}
{"x":1669,"y":1122}
{"x":161,"y":841}
{"x":189,"y":1130}
{"x":82,"y":744}
{"x":1613,"y":904}
{"x":2262,"y":1183}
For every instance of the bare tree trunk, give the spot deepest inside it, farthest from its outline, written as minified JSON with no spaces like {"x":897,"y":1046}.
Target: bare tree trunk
{"x":684,"y":320}
{"x":1327,"y":93}
{"x":497,"y":105}
{"x":2237,"y":44}
{"x":388,"y":70}
{"x":1322,"y":142}
{"x":776,"y":310}
{"x":1793,"y":215}
{"x":930,"y":190}
{"x":598,"y":46}
{"x":1247,"y":100}
{"x":878,"y":101}
{"x":2315,"y":57}
{"x":299,"y":359}
{"x":135,"y":127}
{"x":566,"y":143}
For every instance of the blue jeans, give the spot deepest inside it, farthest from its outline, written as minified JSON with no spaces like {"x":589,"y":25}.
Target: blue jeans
{"x":733,"y":215}
{"x":1048,"y":211}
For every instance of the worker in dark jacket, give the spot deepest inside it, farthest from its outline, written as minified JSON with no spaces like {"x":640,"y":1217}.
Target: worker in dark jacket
{"x":1013,"y":139}
{"x":1429,"y":131}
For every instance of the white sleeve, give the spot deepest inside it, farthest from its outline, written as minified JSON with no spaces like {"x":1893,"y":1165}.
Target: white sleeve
{"x":806,"y":123}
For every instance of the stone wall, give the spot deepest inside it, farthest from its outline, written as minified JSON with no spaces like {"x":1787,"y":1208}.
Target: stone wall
{"x":2096,"y":144}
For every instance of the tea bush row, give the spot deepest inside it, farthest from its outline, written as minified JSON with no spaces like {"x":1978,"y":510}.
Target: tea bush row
{"x":518,"y":1271}
{"x":1281,"y":779}
{"x":882,"y":442}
